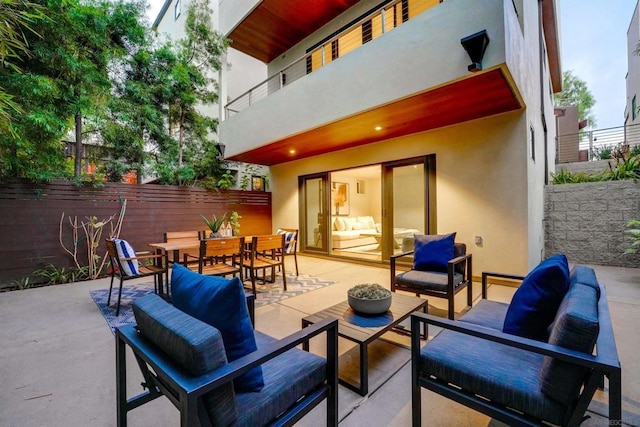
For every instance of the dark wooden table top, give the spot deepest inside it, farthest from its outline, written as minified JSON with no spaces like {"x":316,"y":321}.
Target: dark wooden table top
{"x":366,"y":328}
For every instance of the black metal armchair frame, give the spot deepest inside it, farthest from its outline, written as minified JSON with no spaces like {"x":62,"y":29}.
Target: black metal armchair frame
{"x":604,"y":364}
{"x":185,"y":391}
{"x":452,"y":287}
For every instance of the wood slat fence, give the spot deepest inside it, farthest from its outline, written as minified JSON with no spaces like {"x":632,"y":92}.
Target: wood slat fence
{"x":30,"y":218}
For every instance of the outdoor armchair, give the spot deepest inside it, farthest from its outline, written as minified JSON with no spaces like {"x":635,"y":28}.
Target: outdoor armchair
{"x":453,"y":276}
{"x":184,"y":359}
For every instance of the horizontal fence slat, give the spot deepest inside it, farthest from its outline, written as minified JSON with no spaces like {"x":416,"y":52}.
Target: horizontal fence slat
{"x":30,"y":217}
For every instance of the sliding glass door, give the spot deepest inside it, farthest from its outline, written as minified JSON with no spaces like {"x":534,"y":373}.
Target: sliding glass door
{"x":313,"y":212}
{"x":366,"y":212}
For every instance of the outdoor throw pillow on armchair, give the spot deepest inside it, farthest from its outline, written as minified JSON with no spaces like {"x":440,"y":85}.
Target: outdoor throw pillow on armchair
{"x":221,"y":303}
{"x":433,"y":251}
{"x":535,"y":303}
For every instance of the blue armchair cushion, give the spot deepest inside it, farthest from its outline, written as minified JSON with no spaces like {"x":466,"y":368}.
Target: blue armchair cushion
{"x":221,"y":303}
{"x":535,"y":303}
{"x":575,"y":327}
{"x":432,"y":252}
{"x":585,"y":276}
{"x":487,"y":368}
{"x":287,"y":378}
{"x":195,"y":346}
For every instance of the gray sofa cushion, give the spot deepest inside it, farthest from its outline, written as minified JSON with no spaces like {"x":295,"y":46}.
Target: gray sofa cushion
{"x":427,"y":280}
{"x":489,"y":370}
{"x":487,"y":313}
{"x":286,"y":378}
{"x":194,"y":345}
{"x":576,"y":328}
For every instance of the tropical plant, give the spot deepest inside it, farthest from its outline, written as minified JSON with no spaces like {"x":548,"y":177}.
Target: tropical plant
{"x":626,"y":167}
{"x":226,"y":181}
{"x":58,"y":275}
{"x":235,"y":224}
{"x":214,"y":223}
{"x":369,"y":291}
{"x":633,"y":231}
{"x":603,"y":152}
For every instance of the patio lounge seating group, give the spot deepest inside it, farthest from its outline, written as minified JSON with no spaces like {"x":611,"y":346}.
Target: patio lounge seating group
{"x":527,"y":362}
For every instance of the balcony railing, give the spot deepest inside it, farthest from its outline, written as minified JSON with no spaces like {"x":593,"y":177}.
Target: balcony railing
{"x":598,"y":144}
{"x":370,"y":26}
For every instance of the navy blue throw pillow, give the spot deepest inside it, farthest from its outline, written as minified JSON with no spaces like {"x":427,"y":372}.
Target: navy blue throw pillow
{"x":535,"y":303}
{"x":221,"y":303}
{"x":432,"y":252}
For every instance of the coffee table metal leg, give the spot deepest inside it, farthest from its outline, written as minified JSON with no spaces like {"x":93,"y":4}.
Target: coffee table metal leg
{"x":364,"y":370}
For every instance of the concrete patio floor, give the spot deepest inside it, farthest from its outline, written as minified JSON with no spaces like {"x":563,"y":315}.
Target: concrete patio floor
{"x":57,"y":359}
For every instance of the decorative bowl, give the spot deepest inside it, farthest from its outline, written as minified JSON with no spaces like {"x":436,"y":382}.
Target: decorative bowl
{"x":369,"y":298}
{"x":370,"y":306}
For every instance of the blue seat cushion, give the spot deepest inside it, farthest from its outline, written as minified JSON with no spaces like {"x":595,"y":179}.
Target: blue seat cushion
{"x":487,"y":313}
{"x":535,"y":303}
{"x":487,"y":369}
{"x":287,"y":378}
{"x":432,"y":281}
{"x":194,"y":345}
{"x":221,"y":303}
{"x":575,"y":327}
{"x":432,"y":252}
{"x":586,"y":276}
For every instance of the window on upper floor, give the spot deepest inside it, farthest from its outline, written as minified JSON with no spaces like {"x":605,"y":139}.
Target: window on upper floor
{"x":177,"y":9}
{"x":634,"y":108}
{"x":532,"y":133}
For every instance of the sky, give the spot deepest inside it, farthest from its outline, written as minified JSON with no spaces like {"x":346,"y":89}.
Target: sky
{"x":593,"y":43}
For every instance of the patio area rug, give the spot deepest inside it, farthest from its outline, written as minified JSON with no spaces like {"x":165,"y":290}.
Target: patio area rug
{"x":266,"y":294}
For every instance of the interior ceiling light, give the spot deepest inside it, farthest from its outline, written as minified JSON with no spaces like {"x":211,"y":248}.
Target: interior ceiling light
{"x":378,"y":128}
{"x":292,"y":151}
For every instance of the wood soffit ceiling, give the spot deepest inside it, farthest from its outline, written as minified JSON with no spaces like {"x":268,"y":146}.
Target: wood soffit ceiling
{"x":479,"y":96}
{"x":275,"y":26}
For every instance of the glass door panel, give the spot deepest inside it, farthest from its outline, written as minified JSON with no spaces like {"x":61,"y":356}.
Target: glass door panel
{"x":405,"y":205}
{"x":315,"y":228}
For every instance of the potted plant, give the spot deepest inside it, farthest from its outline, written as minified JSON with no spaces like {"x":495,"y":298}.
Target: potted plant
{"x":369,"y":298}
{"x":214,"y":224}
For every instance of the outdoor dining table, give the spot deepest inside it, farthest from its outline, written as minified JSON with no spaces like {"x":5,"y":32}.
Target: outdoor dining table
{"x":175,"y":247}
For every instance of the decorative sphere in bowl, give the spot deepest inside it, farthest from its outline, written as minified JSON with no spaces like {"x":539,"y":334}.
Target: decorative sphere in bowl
{"x":369,"y":299}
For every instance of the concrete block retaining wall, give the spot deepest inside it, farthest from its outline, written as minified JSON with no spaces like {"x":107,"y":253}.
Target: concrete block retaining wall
{"x":587,"y":221}
{"x":593,"y":167}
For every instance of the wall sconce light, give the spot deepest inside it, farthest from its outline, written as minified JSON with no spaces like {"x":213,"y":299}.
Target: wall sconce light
{"x":220,"y":147}
{"x":475,"y":45}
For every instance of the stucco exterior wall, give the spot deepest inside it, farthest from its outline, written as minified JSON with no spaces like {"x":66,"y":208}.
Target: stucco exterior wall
{"x":586,"y":221}
{"x":480,"y":184}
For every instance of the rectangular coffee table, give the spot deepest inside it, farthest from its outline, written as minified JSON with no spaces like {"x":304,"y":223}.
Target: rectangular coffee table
{"x":363,"y":330}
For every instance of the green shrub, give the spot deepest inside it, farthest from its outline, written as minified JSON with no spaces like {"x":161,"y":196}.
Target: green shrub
{"x":369,"y":291}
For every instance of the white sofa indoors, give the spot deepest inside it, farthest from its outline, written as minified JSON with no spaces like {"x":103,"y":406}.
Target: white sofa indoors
{"x":346,"y":231}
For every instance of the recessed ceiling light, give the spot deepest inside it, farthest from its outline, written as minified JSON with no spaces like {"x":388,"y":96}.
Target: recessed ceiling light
{"x":378,"y":128}
{"x":292,"y":151}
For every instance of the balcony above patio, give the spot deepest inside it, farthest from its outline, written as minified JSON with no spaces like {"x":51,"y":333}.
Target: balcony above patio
{"x":410,"y":78}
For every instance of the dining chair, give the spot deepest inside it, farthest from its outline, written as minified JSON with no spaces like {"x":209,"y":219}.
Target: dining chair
{"x":125,"y":264}
{"x":265,"y":254}
{"x":218,"y":257}
{"x":290,"y":244}
{"x":182,"y":236}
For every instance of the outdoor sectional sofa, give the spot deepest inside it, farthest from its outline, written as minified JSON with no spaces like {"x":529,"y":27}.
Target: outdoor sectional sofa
{"x":523,"y":381}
